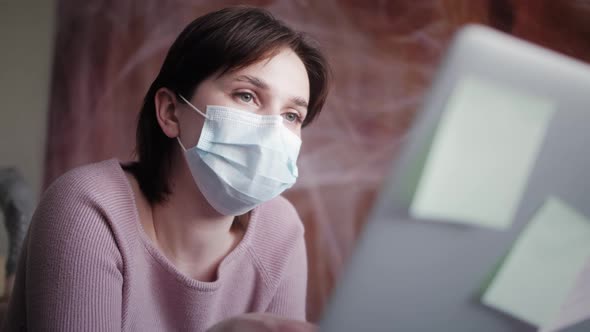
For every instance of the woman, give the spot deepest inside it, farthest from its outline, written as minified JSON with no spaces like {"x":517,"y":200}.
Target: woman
{"x":195,"y":231}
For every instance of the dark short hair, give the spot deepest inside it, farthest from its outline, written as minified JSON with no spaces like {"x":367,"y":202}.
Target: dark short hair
{"x":218,"y":42}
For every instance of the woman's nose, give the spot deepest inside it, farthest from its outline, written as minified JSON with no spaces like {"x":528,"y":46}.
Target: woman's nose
{"x":273,"y":108}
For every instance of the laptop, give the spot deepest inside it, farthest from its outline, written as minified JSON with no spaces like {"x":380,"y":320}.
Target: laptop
{"x":415,"y":271}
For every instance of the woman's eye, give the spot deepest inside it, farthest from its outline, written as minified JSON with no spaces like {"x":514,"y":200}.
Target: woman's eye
{"x":291,"y":117}
{"x":245,"y":97}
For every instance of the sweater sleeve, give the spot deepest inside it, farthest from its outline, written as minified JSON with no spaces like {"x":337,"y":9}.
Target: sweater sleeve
{"x":71,"y":273}
{"x":290,"y":297}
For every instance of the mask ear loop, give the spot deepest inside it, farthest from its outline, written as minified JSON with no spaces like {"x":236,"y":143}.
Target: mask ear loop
{"x":192,"y":106}
{"x":179,"y":142}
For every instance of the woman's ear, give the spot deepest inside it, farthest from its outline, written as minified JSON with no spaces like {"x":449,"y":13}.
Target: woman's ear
{"x":166,"y":107}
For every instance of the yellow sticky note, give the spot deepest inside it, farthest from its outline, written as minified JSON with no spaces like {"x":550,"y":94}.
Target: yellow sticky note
{"x":542,"y":266}
{"x":481,"y":156}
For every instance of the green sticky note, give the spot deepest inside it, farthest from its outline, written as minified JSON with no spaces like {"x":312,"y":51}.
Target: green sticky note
{"x":482,"y":154}
{"x":539,"y":271}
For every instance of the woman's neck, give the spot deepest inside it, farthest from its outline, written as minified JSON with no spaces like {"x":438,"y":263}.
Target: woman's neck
{"x":187,"y":229}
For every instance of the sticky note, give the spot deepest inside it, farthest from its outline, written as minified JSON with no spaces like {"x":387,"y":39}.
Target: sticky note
{"x":482,"y":154}
{"x":576,"y":307}
{"x":543,"y":265}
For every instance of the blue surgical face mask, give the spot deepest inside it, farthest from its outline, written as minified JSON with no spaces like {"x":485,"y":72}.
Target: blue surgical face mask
{"x":242,"y":159}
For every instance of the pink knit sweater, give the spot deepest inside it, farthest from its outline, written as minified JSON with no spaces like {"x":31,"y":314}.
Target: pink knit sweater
{"x":87,"y":265}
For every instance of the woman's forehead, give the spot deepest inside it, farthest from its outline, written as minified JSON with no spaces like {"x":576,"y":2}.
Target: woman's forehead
{"x":284,"y":72}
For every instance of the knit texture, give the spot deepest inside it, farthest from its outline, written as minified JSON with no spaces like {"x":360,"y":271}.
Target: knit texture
{"x":87,"y":265}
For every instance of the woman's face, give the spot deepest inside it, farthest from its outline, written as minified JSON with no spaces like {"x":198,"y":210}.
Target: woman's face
{"x":274,"y":86}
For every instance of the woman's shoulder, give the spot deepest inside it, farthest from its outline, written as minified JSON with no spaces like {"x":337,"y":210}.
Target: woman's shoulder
{"x":101,"y":189}
{"x":93,"y":180}
{"x":73,"y":229}
{"x":90,"y":201}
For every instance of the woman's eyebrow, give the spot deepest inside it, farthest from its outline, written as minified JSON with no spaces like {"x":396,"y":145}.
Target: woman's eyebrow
{"x":299,"y":101}
{"x":253,"y":80}
{"x":257,"y":82}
